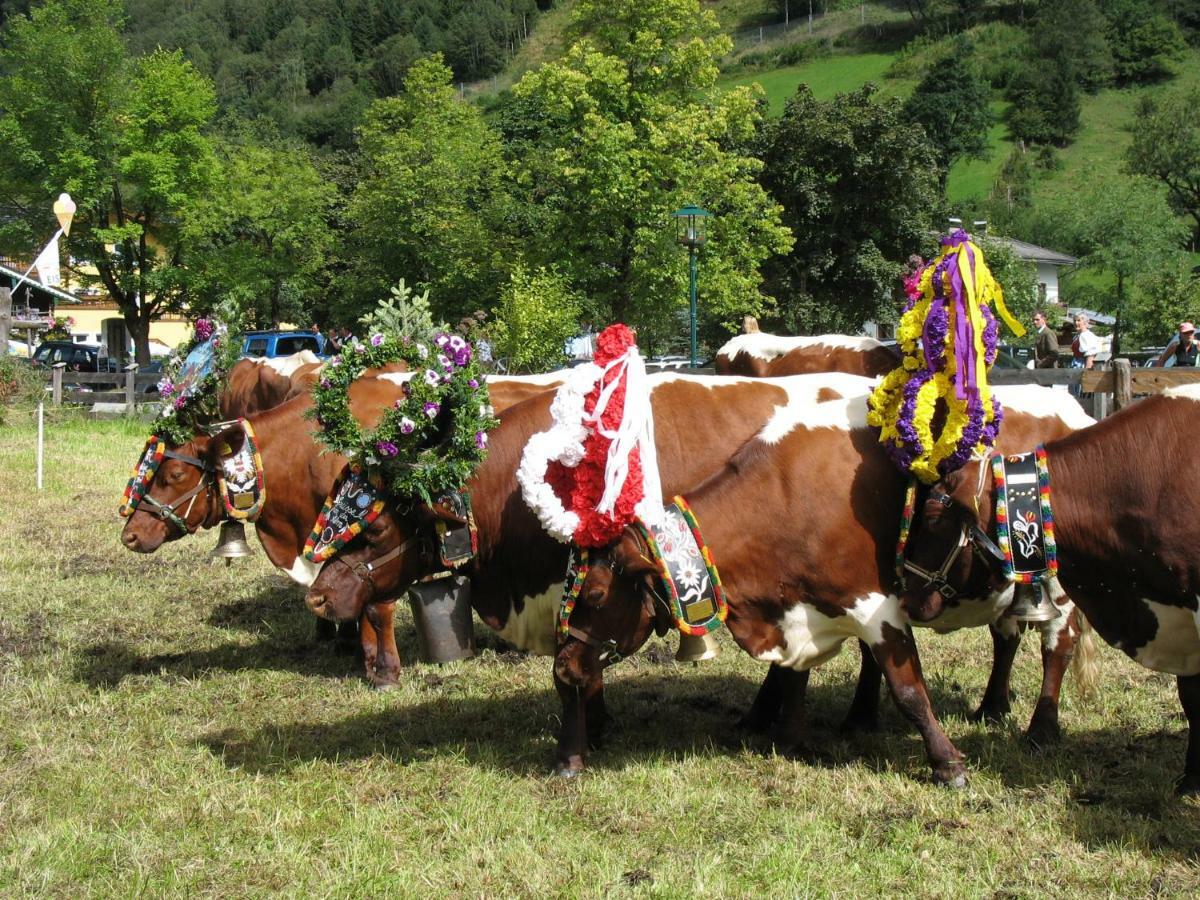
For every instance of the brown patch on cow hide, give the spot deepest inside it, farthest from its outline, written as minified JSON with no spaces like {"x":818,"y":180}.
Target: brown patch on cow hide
{"x":826,"y":394}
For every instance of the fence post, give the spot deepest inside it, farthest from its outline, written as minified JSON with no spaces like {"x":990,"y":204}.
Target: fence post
{"x":130,"y":389}
{"x":56,"y":373}
{"x":1122,"y":384}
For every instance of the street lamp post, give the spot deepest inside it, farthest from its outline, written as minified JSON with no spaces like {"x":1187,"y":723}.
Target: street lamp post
{"x":690,"y":232}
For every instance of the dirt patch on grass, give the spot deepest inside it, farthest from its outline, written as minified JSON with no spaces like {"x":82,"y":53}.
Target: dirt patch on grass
{"x":25,"y":639}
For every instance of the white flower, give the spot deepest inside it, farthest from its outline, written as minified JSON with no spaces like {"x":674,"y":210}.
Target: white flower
{"x":422,"y":351}
{"x":432,"y":378}
{"x":457,"y":343}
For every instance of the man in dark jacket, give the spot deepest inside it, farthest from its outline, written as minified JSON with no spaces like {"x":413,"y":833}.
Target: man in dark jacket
{"x":1045,"y":349}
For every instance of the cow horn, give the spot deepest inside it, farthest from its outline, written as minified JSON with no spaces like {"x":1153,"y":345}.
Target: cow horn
{"x":694,"y":648}
{"x":231,"y":542}
{"x":1029,"y":605}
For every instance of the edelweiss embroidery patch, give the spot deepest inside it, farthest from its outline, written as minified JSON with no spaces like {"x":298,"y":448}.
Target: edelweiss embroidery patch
{"x":688,"y":573}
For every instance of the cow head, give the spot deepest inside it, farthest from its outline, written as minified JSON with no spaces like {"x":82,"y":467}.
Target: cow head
{"x":184,"y":496}
{"x":620,"y":603}
{"x":378,"y":565}
{"x":948,"y":554}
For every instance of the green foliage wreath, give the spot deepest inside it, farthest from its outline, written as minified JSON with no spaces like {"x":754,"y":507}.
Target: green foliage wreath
{"x":428,"y":442}
{"x":182,"y":415}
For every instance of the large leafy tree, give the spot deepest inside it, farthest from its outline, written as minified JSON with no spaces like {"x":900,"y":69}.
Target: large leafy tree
{"x":1076,"y":31}
{"x":264,"y":239}
{"x":126,"y":137}
{"x":1166,"y":147}
{"x":951,"y":104}
{"x":428,"y":197}
{"x":629,"y":128}
{"x":859,"y":189}
{"x":1143,"y":39}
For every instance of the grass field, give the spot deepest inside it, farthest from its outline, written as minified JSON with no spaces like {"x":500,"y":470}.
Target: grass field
{"x":169,"y":727}
{"x":827,"y":77}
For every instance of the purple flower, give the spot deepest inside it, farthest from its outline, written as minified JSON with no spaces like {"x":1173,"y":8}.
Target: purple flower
{"x":432,"y":409}
{"x":386,"y":448}
{"x":204,"y":329}
{"x":432,"y":378}
{"x":326,"y":383}
{"x":481,"y":440}
{"x":442,"y":340}
{"x":407,"y":425}
{"x":376,"y":340}
{"x":359,"y":348}
{"x":179,"y":402}
{"x":462,"y":355}
{"x":457,"y":343}
{"x":336,"y":360}
{"x":444,"y":361}
{"x":166,"y":388}
{"x":473,"y":383}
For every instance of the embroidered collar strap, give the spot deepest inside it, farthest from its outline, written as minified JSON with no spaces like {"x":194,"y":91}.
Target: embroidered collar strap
{"x":355,"y":501}
{"x":242,"y":480}
{"x":688,"y":574}
{"x":143,"y":474}
{"x":577,"y":569}
{"x":1024,"y":520}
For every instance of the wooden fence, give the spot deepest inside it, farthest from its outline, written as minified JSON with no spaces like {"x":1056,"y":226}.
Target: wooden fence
{"x":1111,"y":389}
{"x":126,"y":387}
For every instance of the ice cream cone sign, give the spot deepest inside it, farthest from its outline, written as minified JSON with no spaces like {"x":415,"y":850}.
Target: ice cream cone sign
{"x":64,"y":211}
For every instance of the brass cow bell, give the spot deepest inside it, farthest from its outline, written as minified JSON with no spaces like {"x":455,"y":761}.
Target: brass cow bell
{"x":1031,"y":605}
{"x":695,"y":648}
{"x":231,"y":542}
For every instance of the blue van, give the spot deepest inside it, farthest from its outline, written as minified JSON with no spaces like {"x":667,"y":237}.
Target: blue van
{"x":282,"y":343}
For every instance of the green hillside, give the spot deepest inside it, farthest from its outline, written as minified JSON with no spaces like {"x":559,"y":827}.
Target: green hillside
{"x":826,"y":76}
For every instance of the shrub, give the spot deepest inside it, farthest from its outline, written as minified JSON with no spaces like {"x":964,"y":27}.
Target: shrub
{"x":19,"y":384}
{"x":538,"y":313}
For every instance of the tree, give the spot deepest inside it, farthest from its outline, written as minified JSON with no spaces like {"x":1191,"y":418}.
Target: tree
{"x":427,"y":198}
{"x":859,"y":189}
{"x":1045,"y":103}
{"x":263,"y":240}
{"x":126,"y":137}
{"x":1075,"y":30}
{"x":1143,"y":40}
{"x":630,"y":129}
{"x":951,"y":103}
{"x":537,"y":314}
{"x":1166,"y":147}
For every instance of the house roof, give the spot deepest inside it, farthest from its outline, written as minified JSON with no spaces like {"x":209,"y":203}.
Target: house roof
{"x":61,"y":296}
{"x":1034,"y":253}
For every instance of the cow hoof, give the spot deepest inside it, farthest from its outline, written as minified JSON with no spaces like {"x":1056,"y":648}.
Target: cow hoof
{"x":571,"y":768}
{"x":1188,"y":786}
{"x":954,"y":778}
{"x":1041,"y":736}
{"x":756,"y":722}
{"x":990,"y":715}
{"x":381,"y":685}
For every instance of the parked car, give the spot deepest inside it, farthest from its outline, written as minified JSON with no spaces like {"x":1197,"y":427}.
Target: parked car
{"x":78,"y":357}
{"x":282,"y":343}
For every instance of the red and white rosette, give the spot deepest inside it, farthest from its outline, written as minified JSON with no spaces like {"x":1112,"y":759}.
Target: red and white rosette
{"x":596,"y":470}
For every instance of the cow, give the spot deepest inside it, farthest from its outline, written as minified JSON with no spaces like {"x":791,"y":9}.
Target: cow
{"x":804,"y":523}
{"x":254,"y":385}
{"x":761,"y":355}
{"x":516,"y":579}
{"x":291,"y":457}
{"x":1126,"y":544}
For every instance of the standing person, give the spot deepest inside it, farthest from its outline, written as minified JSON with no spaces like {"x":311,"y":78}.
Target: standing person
{"x":1184,"y":349}
{"x":332,"y":344}
{"x":1086,"y":344}
{"x":346,"y":340}
{"x":1045,"y":349}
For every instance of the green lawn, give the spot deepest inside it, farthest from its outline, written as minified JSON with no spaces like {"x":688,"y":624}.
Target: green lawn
{"x":168,"y":727}
{"x":827,"y":77}
{"x":972,"y":179}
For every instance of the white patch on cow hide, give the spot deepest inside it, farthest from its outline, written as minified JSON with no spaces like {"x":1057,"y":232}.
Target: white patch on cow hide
{"x":286,"y":365}
{"x":771,"y":346}
{"x":973,"y":613}
{"x":303,"y":571}
{"x":1176,"y":645}
{"x":395,"y":377}
{"x":1052,"y":631}
{"x":1184,"y":391}
{"x":535,"y":627}
{"x":546,"y":379}
{"x":811,"y":638}
{"x":804,"y":410}
{"x":1043,"y":402}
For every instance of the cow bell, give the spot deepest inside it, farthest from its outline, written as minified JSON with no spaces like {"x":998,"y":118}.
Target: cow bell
{"x":1029,"y":604}
{"x":231,"y":542}
{"x":695,"y":648}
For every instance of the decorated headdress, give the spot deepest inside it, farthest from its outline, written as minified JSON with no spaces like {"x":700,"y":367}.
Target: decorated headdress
{"x":596,"y":469}
{"x":948,"y":337}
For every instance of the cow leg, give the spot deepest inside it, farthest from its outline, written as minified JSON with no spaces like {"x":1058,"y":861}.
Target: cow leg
{"x":1189,"y":696}
{"x":571,"y":753}
{"x":997,"y":702}
{"x":1058,"y":646}
{"x":387,"y":657}
{"x":597,"y":719}
{"x":325,"y":630}
{"x":370,"y":645}
{"x":896,"y":654}
{"x":789,"y":730}
{"x":863,"y":715}
{"x":764,"y":711}
{"x":348,"y":643}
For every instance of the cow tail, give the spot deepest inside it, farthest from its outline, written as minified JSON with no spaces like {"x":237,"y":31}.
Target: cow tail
{"x":1084,"y":665}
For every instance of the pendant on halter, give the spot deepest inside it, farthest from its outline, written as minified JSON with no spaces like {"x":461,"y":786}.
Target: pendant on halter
{"x":687,"y":571}
{"x":355,"y":501}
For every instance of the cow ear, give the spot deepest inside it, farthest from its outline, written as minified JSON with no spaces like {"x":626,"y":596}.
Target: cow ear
{"x":226,"y":443}
{"x":632,"y":556}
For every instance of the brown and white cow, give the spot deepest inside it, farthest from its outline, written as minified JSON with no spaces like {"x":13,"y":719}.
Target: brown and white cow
{"x":798,"y":589}
{"x":1126,"y":544}
{"x":299,"y":477}
{"x":254,"y":385}
{"x":761,"y":355}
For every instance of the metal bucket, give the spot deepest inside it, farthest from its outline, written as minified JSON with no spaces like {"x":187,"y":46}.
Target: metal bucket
{"x":441,"y":611}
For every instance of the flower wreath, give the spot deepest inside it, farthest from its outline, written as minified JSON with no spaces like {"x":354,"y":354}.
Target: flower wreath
{"x":185,"y":410}
{"x":430,"y":441}
{"x":596,"y":468}
{"x":948,"y":337}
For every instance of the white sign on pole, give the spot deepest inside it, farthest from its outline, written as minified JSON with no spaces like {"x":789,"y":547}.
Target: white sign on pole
{"x":47,"y":265}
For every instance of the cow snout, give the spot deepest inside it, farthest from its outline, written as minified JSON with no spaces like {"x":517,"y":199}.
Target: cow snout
{"x":575,"y":663}
{"x":320,"y":604}
{"x":139,"y":540}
